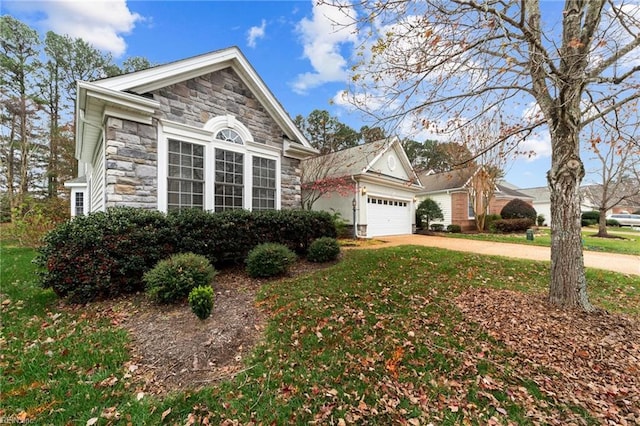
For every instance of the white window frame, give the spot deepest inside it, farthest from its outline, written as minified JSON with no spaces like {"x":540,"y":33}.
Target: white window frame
{"x":206,"y":136}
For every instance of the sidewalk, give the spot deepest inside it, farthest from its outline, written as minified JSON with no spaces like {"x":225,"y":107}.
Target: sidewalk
{"x":623,"y":263}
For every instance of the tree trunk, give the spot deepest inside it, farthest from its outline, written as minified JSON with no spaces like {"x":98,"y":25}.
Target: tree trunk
{"x":568,"y":287}
{"x":602,"y":224}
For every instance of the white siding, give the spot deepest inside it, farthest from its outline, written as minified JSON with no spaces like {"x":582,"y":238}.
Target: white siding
{"x":444,"y":201}
{"x":95,"y":181}
{"x":389,"y":165}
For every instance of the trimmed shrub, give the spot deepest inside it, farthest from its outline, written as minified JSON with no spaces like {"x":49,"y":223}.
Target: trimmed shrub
{"x":589,"y":218}
{"x":518,"y":209}
{"x":540,"y":220}
{"x":201,"y":301}
{"x":428,"y":210}
{"x":513,"y":225}
{"x":454,"y":229}
{"x":104,"y":254}
{"x":612,"y":222}
{"x":172,"y":279}
{"x":269,"y":260}
{"x":323,"y":249}
{"x":437,"y":227}
{"x":488,"y":222}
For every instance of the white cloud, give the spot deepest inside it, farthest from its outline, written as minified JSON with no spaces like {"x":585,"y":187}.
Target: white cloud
{"x":535,"y":147}
{"x":322,"y":37}
{"x":101,"y":23}
{"x":255,"y":33}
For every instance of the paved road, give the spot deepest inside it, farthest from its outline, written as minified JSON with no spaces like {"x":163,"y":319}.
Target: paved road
{"x":626,"y":264}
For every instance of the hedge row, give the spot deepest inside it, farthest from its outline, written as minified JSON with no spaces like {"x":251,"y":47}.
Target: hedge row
{"x":512,"y":225}
{"x":105,"y":254}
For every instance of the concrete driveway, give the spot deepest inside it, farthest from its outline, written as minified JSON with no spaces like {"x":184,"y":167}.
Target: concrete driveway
{"x":623,"y":263}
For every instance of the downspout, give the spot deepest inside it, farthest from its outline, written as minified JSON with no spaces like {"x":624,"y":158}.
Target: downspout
{"x":356,"y":203}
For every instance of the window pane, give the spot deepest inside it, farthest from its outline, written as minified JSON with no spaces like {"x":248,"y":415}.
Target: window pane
{"x":186,"y":175}
{"x":229,"y":178}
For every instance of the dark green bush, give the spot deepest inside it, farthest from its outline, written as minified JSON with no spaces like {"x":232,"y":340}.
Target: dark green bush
{"x":172,"y":279}
{"x":104,"y":254}
{"x":269,"y":260}
{"x":201,"y":301}
{"x":540,"y":220}
{"x":428,"y":210}
{"x":454,"y":229}
{"x":513,"y":225}
{"x":437,"y":227}
{"x":488,"y":222}
{"x":589,"y":218}
{"x":323,"y":249}
{"x":612,"y":222}
{"x":518,"y":209}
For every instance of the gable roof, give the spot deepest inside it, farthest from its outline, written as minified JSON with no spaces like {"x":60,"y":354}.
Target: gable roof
{"x":359,"y":160}
{"x":454,"y":179}
{"x":127,"y":92}
{"x":538,"y":193}
{"x":458,"y":180}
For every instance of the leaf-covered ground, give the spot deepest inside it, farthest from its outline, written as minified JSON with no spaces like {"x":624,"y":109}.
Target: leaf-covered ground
{"x":588,"y":360}
{"x":404,"y":335}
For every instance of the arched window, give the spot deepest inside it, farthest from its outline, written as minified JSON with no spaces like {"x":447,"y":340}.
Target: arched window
{"x":230,"y":135}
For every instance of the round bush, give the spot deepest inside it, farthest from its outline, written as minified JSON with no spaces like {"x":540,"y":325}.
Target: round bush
{"x":518,"y":209}
{"x":201,"y":301}
{"x":454,"y":229}
{"x":269,"y":260}
{"x":172,"y":279}
{"x":323,"y":249}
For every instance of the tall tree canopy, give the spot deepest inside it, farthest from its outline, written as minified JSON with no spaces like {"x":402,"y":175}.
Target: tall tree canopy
{"x":435,"y":64}
{"x":325,"y":132}
{"x":38,"y":79}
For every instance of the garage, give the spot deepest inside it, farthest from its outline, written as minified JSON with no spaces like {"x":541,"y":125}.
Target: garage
{"x":387,"y":216}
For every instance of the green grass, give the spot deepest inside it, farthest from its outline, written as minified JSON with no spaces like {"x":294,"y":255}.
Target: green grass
{"x":374,"y":339}
{"x":629,"y":245}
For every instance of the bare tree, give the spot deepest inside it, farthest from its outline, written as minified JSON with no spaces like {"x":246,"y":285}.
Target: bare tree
{"x":425,"y":62}
{"x":617,"y":177}
{"x":485,"y":141}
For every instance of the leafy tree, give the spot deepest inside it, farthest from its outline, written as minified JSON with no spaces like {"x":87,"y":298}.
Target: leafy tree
{"x":429,"y":210}
{"x":372,"y":134}
{"x":326,"y":133}
{"x":20,"y":104}
{"x":426,"y":62}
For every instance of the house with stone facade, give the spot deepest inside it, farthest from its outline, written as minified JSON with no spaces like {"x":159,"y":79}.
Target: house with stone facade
{"x":203,"y":132}
{"x":451,"y":191}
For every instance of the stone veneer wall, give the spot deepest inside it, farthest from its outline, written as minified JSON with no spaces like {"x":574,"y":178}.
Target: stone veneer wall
{"x":131,"y":164}
{"x":195,"y":101}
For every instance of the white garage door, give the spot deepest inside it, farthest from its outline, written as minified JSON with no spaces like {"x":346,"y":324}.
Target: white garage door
{"x":387,"y":217}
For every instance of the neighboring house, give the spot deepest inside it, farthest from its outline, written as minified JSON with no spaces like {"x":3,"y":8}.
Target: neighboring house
{"x":590,"y":194}
{"x":451,"y":191}
{"x":626,"y":202}
{"x":381,"y":192}
{"x":541,"y":201}
{"x":204,"y":132}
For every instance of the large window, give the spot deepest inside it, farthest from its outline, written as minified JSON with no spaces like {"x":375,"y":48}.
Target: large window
{"x":229,"y":180}
{"x":264,"y":184}
{"x":79,"y":203}
{"x":185,"y":177}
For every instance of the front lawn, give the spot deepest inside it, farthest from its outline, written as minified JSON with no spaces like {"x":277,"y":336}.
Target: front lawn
{"x":379,"y":338}
{"x":628,"y":244}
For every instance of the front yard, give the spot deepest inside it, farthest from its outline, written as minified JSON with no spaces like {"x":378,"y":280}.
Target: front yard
{"x":395,"y":335}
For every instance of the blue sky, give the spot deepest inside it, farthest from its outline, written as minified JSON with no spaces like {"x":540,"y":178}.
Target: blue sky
{"x":293,"y":45}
